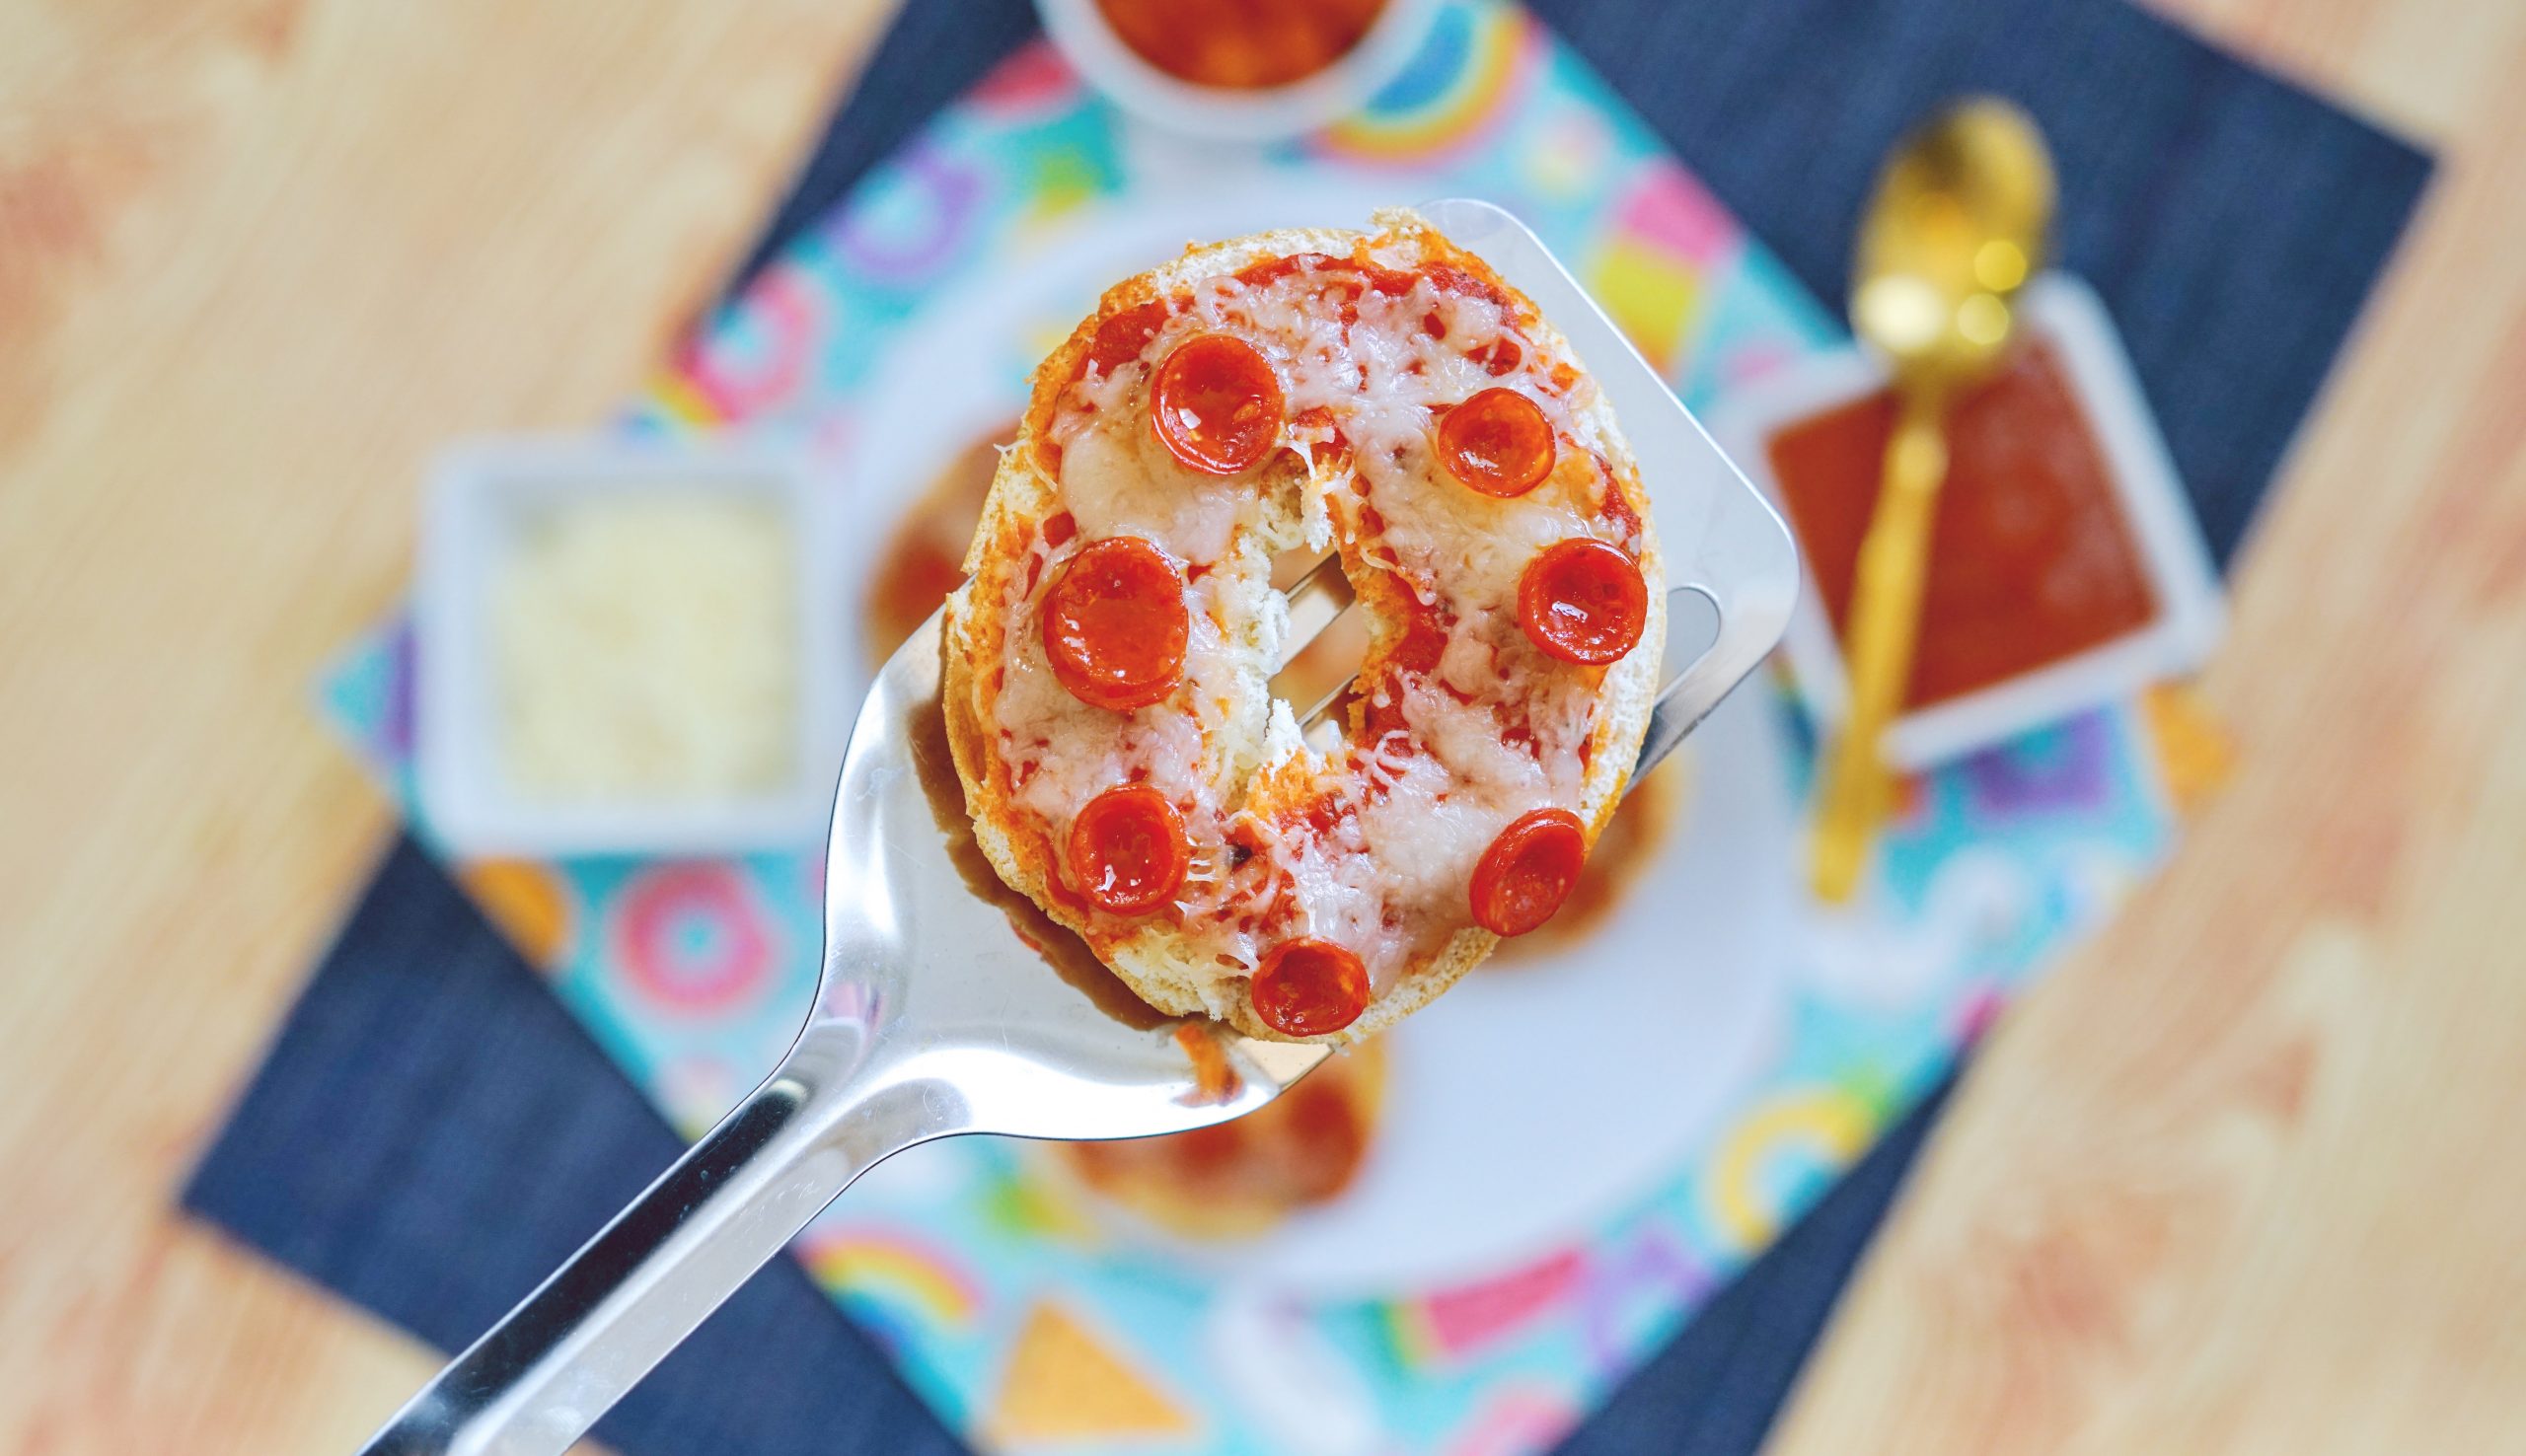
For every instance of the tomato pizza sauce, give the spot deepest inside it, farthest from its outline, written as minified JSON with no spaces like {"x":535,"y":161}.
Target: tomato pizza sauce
{"x":1241,"y":45}
{"x":2032,"y":559}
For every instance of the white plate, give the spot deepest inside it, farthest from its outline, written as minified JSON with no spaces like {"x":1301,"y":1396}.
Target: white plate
{"x":1531,"y":1103}
{"x":1525,"y":1106}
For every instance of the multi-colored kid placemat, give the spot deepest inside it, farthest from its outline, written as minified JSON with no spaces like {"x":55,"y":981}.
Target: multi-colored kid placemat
{"x":1017,"y":1319}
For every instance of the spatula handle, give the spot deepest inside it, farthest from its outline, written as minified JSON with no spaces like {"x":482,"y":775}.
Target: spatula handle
{"x":543,"y":1375}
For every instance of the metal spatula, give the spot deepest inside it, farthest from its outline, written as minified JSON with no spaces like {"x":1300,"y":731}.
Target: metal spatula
{"x":949,"y":1005}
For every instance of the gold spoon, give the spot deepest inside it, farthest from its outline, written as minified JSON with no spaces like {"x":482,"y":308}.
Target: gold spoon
{"x":1955,"y":229}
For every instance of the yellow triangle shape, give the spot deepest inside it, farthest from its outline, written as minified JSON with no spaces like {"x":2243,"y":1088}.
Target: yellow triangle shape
{"x":1064,"y":1384}
{"x":528,"y":903}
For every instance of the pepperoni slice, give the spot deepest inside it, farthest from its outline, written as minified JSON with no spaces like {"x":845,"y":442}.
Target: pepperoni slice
{"x":1308,"y":986}
{"x":1115,"y":626}
{"x":1216,"y":404}
{"x":1583,"y":601}
{"x":1121,"y":337}
{"x":1527,"y":872}
{"x":1497,"y":443}
{"x":1128,"y":850}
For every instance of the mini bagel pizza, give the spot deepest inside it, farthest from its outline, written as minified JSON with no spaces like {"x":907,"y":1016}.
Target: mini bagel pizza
{"x":1382,"y":395}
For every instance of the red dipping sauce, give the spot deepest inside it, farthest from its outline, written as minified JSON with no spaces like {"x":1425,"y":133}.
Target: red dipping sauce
{"x":1240,"y":44}
{"x":2032,"y":559}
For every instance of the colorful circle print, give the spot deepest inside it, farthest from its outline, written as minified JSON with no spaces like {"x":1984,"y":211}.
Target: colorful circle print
{"x":695,"y":937}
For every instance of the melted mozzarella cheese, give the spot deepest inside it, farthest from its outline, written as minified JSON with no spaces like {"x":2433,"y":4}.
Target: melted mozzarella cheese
{"x":1120,"y":481}
{"x":1373,"y":845}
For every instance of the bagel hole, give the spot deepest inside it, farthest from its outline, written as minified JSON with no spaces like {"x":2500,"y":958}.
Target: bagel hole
{"x":1692,"y":629}
{"x":1289,"y":565}
{"x":1330,"y":660}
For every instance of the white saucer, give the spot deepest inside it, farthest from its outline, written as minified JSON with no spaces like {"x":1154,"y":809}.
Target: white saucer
{"x":1528,"y":1105}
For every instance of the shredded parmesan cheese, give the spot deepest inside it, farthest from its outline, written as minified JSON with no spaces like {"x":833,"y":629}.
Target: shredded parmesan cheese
{"x":646,"y":648}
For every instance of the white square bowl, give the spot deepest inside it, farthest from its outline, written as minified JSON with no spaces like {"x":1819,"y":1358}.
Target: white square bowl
{"x":2065,"y":313}
{"x":481,"y":497}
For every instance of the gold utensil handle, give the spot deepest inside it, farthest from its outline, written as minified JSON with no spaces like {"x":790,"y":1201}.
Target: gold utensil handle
{"x":1885,"y":623}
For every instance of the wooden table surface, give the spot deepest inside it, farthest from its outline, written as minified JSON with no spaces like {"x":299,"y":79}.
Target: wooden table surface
{"x":2250,"y":1175}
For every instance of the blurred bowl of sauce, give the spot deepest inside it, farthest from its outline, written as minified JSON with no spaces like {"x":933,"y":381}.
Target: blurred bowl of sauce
{"x":1238,"y":70}
{"x":2066,"y":566}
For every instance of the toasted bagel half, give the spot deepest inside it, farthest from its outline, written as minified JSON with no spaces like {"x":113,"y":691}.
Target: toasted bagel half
{"x":1382,"y":396}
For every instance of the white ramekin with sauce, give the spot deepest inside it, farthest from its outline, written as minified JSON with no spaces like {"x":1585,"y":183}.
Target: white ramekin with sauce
{"x":1238,"y":70}
{"x":2067,"y":569}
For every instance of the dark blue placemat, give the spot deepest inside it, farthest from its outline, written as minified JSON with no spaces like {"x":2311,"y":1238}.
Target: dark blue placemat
{"x":431,"y":1134}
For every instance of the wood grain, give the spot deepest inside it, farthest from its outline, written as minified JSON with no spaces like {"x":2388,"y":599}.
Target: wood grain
{"x":2248,"y":1177}
{"x":256,"y":257}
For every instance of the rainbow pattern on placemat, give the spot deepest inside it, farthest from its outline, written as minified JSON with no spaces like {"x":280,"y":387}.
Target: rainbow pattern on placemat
{"x":1792,"y":1138}
{"x":895,"y":1281}
{"x":1449,"y":1326}
{"x":1650,"y":271}
{"x":1457,"y":91}
{"x":677,"y":398}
